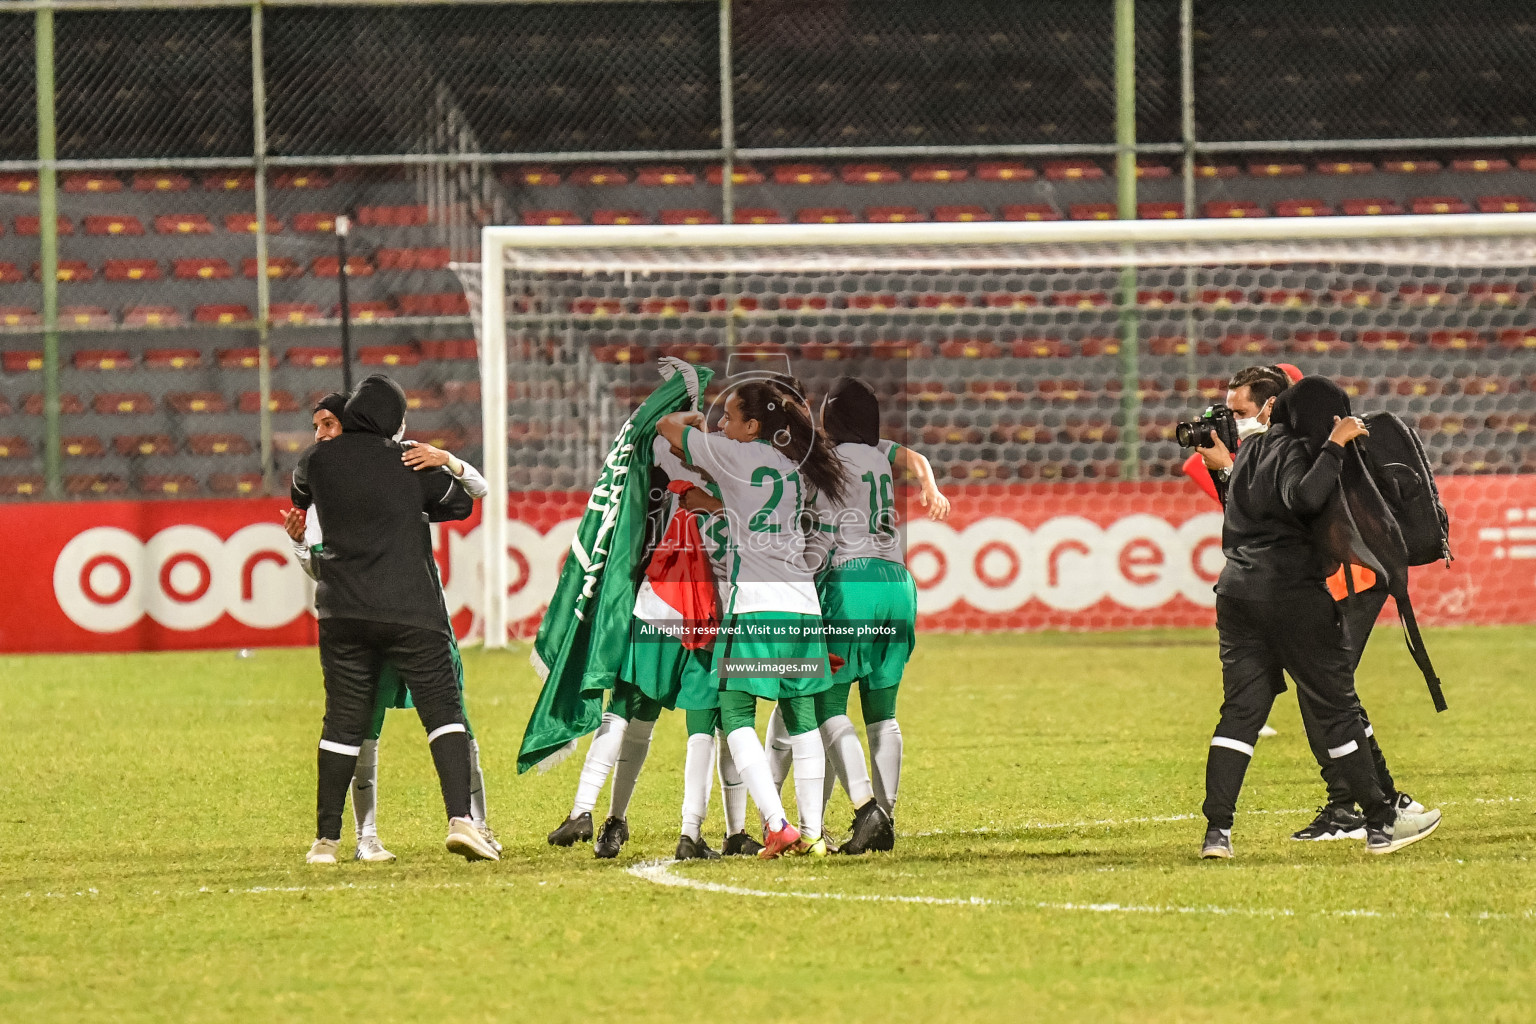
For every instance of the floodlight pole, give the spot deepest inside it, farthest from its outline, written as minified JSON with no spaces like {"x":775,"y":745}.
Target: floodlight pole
{"x":48,"y":248}
{"x":1125,"y":180}
{"x":343,"y":228}
{"x":1187,"y":125}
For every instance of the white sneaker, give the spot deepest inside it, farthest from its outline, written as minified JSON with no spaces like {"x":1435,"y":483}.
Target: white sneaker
{"x":467,"y":841}
{"x":1405,"y":831}
{"x":490,"y":836}
{"x":371,"y":851}
{"x":323,"y":852}
{"x":1405,"y":804}
{"x":1268,"y":731}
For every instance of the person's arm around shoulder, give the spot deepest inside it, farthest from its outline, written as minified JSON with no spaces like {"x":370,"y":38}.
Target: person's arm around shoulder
{"x":299,"y":492}
{"x":444,"y":499}
{"x":419,"y":456}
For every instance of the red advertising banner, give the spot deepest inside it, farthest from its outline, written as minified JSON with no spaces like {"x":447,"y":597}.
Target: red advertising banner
{"x":128,"y":576}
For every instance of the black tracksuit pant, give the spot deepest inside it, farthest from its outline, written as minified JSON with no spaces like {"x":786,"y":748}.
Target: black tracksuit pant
{"x":352,"y":652}
{"x":1260,"y":642}
{"x":1359,"y":613}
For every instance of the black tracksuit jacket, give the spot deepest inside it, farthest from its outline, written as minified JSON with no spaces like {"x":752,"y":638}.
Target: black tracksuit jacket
{"x":376,"y":563}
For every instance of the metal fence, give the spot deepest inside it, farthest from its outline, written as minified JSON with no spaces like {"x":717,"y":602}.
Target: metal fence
{"x":281,"y":115}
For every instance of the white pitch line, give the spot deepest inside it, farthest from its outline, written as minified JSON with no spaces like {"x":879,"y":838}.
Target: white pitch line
{"x":660,"y":872}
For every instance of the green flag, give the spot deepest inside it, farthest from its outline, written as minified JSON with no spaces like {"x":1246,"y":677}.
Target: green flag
{"x":583,"y":636}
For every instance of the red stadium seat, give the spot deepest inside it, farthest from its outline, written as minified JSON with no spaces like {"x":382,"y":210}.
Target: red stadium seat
{"x":1369,"y":207}
{"x":1078,"y":300}
{"x":326,"y":266}
{"x":365,"y":312}
{"x":599,"y":176}
{"x":160,"y":181}
{"x":413,"y":259}
{"x":235,"y":484}
{"x":1073,"y":170}
{"x":1004,"y":170}
{"x":1158,"y":298}
{"x":278,"y":268}
{"x":757,"y":215}
{"x":824,"y":215}
{"x":1291,"y":298}
{"x":29,"y":226}
{"x":449,"y":349}
{"x":666,"y":174}
{"x":98,"y":484}
{"x":1425,"y":293}
{"x":1030,"y":211}
{"x":1359,"y":295}
{"x":71,"y":271}
{"x":293,"y":312}
{"x":894,"y":214}
{"x":183,"y":224}
{"x":1040,"y":348}
{"x":18,"y":361}
{"x":222,"y":313}
{"x":188,"y":402}
{"x":669,"y":306}
{"x":820,"y":351}
{"x":131,"y":270}
{"x":314,"y":356}
{"x":84,"y":316}
{"x":18,"y":184}
{"x":597,"y":307}
{"x":1247,"y":345}
{"x":19,"y":316}
{"x":1439,"y":204}
{"x":941,"y":300}
{"x":1152,"y":169}
{"x":1518,"y":338}
{"x":229,"y":181}
{"x":218,"y":444}
{"x":1461,"y":340}
{"x":970,"y":348}
{"x":1480,"y":165}
{"x":388,"y":355}
{"x":413,"y":216}
{"x":15,"y":448}
{"x":1276,"y":169}
{"x":1159,"y":211}
{"x":689,"y":217}
{"x":102,"y":359}
{"x":885,"y":300}
{"x":82,"y":446}
{"x":202,"y":269}
{"x":1485,"y":204}
{"x":1223,"y":298}
{"x":801,"y":174}
{"x":423,"y":399}
{"x":1234,"y":208}
{"x":1101,"y":346}
{"x":693,"y":352}
{"x":433,"y":304}
{"x":152,"y":316}
{"x":620,"y":217}
{"x":314,"y":223}
{"x":619,"y":354}
{"x":1386,"y":341}
{"x":541,"y":218}
{"x":1303,"y":208}
{"x":1345,"y":167}
{"x":798,"y":302}
{"x":959,"y":214}
{"x":176,"y":485}
{"x":277,"y":401}
{"x":1411,"y":165}
{"x":171,"y":358}
{"x":245,"y":224}
{"x":90,"y":181}
{"x":142,"y":445}
{"x":239,"y":358}
{"x":532,"y":175}
{"x":1092,"y":211}
{"x":1318,"y":342}
{"x":10,"y":273}
{"x":113,"y":225}
{"x":741,"y":174}
{"x":869,"y":174}
{"x":300,"y":179}
{"x":1216,"y":169}
{"x":69,"y":405}
{"x":935,"y":173}
{"x":1496,"y":293}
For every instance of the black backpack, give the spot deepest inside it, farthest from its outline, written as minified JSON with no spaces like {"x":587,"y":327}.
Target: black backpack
{"x":1394,"y":457}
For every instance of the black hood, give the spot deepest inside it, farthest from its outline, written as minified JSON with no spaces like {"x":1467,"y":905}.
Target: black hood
{"x":334,"y":403}
{"x":851,"y":412}
{"x":1306,"y":410}
{"x":376,"y":407}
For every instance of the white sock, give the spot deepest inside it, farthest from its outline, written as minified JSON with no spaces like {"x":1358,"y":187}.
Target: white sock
{"x":733,"y":794}
{"x":752,"y":763}
{"x":847,"y":758}
{"x":698,"y":779}
{"x":777,"y":741}
{"x":885,"y":758}
{"x":476,"y":785}
{"x":365,"y":789}
{"x":637,"y":743}
{"x":810,"y":771}
{"x":600,"y":757}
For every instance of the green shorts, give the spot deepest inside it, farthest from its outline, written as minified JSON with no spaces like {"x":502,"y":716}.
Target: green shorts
{"x":393,"y":693}
{"x":799,"y":637}
{"x":669,"y":673}
{"x":877,"y":600}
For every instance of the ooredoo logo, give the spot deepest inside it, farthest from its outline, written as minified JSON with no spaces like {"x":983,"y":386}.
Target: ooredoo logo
{"x":1068,"y":563}
{"x":184,"y":578}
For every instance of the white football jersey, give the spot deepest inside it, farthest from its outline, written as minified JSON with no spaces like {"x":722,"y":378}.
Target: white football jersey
{"x":864,"y":523}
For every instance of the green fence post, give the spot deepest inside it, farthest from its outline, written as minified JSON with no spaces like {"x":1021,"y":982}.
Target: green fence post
{"x":1125,"y":180}
{"x":48,"y":247}
{"x":263,"y":284}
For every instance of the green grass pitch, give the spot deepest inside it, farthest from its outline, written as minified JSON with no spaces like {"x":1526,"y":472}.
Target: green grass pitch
{"x":157,"y":809}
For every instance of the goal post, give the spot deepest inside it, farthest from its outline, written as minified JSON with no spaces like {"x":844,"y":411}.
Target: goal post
{"x":1296,"y":282}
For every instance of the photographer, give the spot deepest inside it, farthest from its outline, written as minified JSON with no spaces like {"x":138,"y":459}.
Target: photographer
{"x":1285,"y":531}
{"x":1251,"y":398}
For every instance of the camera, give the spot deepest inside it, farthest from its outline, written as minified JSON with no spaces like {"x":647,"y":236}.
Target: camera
{"x":1197,"y":433}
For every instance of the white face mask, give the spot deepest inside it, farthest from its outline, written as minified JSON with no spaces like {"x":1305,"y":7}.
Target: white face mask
{"x":1247,"y":428}
{"x":401,"y":432}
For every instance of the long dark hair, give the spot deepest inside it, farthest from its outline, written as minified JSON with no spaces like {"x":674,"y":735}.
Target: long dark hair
{"x":785,"y":423}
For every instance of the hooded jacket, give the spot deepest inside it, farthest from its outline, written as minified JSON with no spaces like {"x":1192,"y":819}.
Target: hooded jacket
{"x":376,"y":563}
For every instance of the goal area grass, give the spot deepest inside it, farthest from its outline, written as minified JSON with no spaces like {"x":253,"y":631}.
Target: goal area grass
{"x":157,"y":808}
